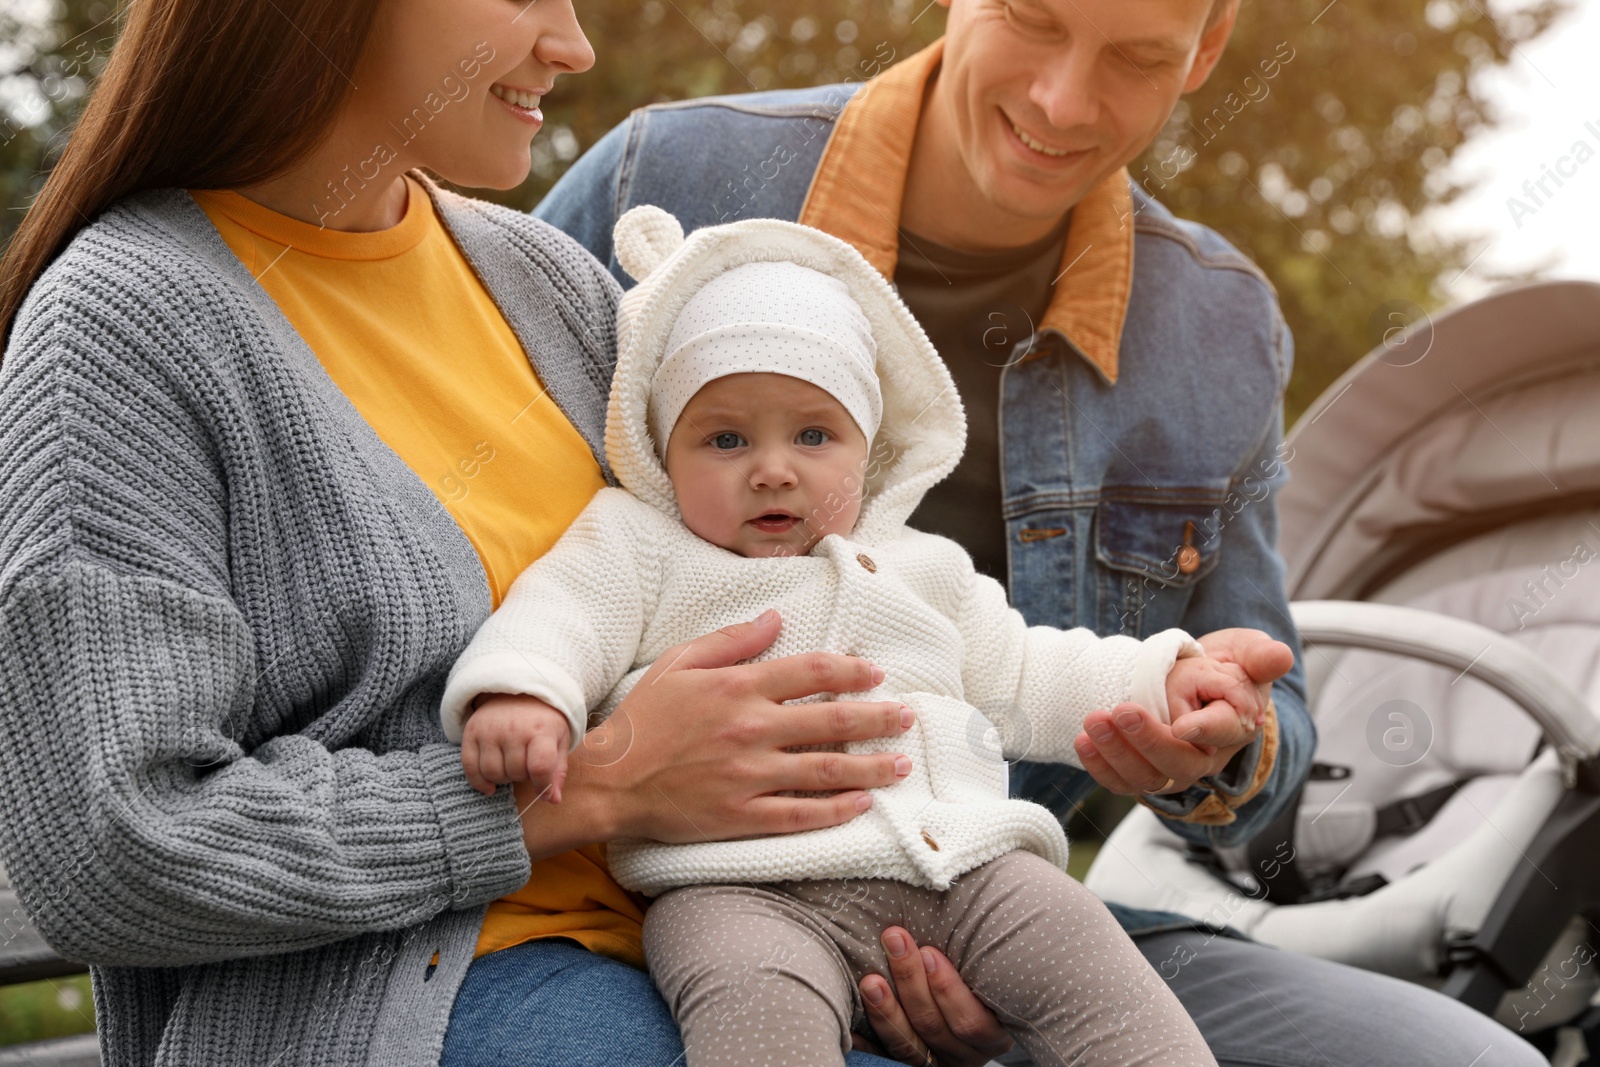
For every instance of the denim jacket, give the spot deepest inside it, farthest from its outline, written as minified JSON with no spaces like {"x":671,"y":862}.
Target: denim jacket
{"x":1138,"y":492}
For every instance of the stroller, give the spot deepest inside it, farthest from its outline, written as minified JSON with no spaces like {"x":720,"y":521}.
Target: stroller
{"x":1442,"y":533}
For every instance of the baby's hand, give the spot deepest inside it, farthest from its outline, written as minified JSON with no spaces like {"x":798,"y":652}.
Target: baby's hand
{"x":1199,"y":683}
{"x":515,"y":738}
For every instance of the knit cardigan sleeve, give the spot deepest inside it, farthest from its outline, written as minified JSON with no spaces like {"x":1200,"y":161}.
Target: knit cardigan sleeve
{"x":570,"y":626}
{"x":1036,"y":683}
{"x":136,"y":827}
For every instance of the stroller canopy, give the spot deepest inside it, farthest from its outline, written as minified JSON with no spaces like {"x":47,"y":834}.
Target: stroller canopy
{"x":1478,"y":417}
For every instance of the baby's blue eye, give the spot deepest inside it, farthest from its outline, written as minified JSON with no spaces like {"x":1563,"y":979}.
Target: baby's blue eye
{"x":813,"y":437}
{"x":727,"y":440}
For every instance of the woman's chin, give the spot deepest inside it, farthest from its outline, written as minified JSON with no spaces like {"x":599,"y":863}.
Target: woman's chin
{"x":504,"y":172}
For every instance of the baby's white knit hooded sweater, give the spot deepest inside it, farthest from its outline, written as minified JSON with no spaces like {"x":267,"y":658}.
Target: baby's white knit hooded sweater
{"x":628,"y":580}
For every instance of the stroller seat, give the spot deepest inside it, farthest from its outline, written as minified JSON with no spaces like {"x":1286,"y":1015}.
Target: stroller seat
{"x":1474,"y":742}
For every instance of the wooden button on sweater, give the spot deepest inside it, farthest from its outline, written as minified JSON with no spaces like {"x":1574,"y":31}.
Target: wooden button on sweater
{"x":866,"y":561}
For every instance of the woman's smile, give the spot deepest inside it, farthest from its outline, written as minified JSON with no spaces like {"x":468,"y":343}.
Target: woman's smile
{"x":523,"y":103}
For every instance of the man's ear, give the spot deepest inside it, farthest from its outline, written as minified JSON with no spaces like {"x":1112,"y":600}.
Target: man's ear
{"x":1212,"y":42}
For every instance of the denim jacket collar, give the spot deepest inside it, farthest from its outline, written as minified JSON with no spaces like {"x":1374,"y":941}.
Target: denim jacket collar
{"x":857,"y":191}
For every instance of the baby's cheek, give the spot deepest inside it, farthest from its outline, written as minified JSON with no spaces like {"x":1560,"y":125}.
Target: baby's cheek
{"x":709,"y":517}
{"x":708,"y":528}
{"x":840,"y":517}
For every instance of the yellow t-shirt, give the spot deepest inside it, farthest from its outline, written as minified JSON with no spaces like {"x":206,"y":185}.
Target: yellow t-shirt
{"x":403,"y":326}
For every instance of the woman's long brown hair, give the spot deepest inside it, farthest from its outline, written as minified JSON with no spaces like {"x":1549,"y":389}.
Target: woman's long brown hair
{"x":197,"y":94}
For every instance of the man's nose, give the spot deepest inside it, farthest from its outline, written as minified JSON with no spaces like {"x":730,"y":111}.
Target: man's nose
{"x":1067,"y":92}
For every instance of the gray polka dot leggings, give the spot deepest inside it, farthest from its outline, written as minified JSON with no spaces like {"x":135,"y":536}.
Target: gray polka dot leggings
{"x":766,"y":974}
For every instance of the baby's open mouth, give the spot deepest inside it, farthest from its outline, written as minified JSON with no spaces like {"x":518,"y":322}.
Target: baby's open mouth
{"x":775,"y":522}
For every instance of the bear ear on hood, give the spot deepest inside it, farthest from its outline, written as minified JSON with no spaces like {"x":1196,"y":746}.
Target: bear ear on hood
{"x":644,"y":238}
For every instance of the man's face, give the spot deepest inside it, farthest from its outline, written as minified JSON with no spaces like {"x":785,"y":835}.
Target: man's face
{"x":1045,"y":98}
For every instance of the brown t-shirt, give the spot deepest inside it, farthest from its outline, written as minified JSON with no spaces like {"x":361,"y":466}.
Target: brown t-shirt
{"x":976,"y":307}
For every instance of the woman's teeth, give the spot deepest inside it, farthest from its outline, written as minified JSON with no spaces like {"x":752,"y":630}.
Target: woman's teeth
{"x":528,"y":101}
{"x":1037,"y":146}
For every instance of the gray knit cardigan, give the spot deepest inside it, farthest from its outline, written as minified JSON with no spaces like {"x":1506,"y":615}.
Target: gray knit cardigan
{"x":227,"y":611}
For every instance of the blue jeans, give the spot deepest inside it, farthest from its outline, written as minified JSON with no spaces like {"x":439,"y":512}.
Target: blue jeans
{"x":550,"y":1003}
{"x":556,"y":1004}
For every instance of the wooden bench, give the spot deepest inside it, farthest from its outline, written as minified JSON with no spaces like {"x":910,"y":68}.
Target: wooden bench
{"x":24,"y":957}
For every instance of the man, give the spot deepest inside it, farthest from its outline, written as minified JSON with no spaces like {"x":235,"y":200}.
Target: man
{"x":1123,"y":375}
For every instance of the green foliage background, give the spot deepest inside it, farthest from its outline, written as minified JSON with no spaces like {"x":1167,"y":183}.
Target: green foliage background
{"x":1319,"y":172}
{"x":39,"y":1011}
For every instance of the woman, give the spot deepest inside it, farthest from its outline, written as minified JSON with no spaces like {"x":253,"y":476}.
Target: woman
{"x":271,"y":453}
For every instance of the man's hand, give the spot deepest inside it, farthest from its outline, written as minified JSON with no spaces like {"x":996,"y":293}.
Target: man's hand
{"x":935,"y":1014}
{"x":1129,"y":752}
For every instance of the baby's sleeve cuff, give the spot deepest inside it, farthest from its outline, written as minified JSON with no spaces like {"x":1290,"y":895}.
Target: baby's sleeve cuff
{"x":512,"y":672}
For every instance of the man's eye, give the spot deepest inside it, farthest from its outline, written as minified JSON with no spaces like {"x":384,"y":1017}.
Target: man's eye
{"x":727,"y":440}
{"x":1031,"y":25}
{"x":1141,"y":62}
{"x":813,"y":438}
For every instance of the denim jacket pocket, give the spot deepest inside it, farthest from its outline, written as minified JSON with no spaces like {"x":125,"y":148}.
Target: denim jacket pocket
{"x":1153,"y":549}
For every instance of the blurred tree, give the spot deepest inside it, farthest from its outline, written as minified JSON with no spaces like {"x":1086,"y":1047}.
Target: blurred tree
{"x":50,"y":53}
{"x":1317,"y":146}
{"x":675,"y":49}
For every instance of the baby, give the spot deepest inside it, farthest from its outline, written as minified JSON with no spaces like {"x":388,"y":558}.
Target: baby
{"x":775,"y":417}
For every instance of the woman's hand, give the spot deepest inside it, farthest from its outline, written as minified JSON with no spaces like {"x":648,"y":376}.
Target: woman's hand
{"x":935,"y":1018}
{"x":696,"y":751}
{"x":1129,"y":752}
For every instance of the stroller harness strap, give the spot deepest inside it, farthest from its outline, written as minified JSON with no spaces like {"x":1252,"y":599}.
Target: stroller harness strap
{"x":1274,"y":859}
{"x":1407,"y":815}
